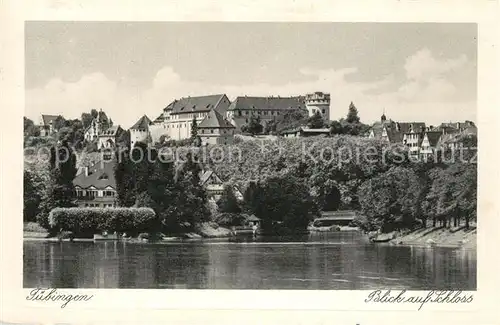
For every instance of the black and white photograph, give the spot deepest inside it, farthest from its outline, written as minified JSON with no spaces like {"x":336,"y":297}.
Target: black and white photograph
{"x":250,"y":155}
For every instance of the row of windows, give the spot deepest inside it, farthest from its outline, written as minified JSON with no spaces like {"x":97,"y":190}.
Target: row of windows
{"x":272,"y":113}
{"x":97,"y":205}
{"x":185,"y":125}
{"x":323,"y":111}
{"x":185,"y":116}
{"x":95,"y":193}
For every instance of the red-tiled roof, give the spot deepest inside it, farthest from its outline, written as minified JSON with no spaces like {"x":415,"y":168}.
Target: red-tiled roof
{"x":199,"y":104}
{"x":101,"y":175}
{"x":215,"y":120}
{"x":268,"y":103}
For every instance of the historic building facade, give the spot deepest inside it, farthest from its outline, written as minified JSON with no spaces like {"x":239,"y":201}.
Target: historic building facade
{"x":266,"y":108}
{"x":95,"y":186}
{"x":176,"y":120}
{"x":140,"y":131}
{"x":215,"y":129}
{"x":47,"y":125}
{"x":318,"y":102}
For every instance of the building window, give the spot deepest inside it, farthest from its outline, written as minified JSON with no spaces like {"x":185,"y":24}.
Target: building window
{"x":323,"y":111}
{"x":211,"y":131}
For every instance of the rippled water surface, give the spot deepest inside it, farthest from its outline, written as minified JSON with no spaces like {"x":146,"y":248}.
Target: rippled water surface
{"x":338,"y":261}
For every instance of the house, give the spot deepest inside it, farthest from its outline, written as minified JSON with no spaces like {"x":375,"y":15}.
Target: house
{"x":176,"y":120}
{"x":140,"y":131}
{"x":47,"y":124}
{"x":252,"y":220}
{"x":215,"y":129}
{"x":304,"y":131}
{"x":108,"y":138}
{"x":95,"y":186}
{"x":384,"y":130}
{"x":214,"y":186}
{"x":92,"y":131}
{"x":267,"y":108}
{"x":430,"y":144}
{"x":97,"y":126}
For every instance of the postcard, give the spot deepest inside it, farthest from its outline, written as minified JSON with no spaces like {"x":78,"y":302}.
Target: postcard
{"x":222,"y":162}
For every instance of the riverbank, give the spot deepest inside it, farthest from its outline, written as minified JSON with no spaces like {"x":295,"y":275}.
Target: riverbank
{"x":433,"y":236}
{"x":32,"y":231}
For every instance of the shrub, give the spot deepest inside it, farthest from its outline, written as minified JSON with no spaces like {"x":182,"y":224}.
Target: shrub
{"x":93,"y":220}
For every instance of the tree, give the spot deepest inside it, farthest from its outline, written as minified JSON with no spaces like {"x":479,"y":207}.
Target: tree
{"x":352,"y":115}
{"x":194,"y":129}
{"x":228,"y":201}
{"x":30,"y":129}
{"x":316,"y":121}
{"x":125,"y":182}
{"x":32,"y":197}
{"x":94,"y":113}
{"x":60,"y":189}
{"x":86,"y":119}
{"x":192,"y":196}
{"x":123,"y":140}
{"x":59,"y":122}
{"x":336,"y":128}
{"x":391,"y":198}
{"x":284,"y":200}
{"x":253,"y":126}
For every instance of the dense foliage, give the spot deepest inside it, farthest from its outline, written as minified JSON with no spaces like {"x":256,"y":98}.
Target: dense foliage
{"x":88,"y":221}
{"x":254,"y":126}
{"x":173,"y":192}
{"x":346,"y":172}
{"x":59,"y":188}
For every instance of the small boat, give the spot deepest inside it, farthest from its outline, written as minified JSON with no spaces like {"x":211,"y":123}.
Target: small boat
{"x":382,"y":240}
{"x":105,"y":236}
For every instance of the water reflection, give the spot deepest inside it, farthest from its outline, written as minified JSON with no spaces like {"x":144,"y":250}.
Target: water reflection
{"x":341,"y":261}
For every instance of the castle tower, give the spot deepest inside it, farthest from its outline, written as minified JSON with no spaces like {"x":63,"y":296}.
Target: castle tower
{"x":140,"y":131}
{"x":318,"y":102}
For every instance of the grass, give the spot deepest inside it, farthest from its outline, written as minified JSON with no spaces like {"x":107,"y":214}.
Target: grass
{"x":34,"y":230}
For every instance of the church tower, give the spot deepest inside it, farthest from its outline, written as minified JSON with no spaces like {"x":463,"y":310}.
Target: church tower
{"x":318,"y":102}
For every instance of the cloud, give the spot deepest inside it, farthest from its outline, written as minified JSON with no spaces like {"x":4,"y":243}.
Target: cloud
{"x":423,"y":65}
{"x":427,"y":94}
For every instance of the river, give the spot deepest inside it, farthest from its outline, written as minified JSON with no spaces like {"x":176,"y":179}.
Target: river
{"x":333,"y":261}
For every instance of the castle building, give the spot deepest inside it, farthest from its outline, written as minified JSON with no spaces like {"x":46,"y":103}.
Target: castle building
{"x":176,"y":120}
{"x":266,"y":108}
{"x":318,"y":102}
{"x":215,"y":129}
{"x":140,"y":131}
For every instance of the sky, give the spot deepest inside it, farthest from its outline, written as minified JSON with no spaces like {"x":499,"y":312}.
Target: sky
{"x":412,"y":71}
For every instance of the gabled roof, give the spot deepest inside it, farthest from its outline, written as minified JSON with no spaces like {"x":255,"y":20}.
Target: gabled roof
{"x":252,"y":218}
{"x":143,"y":123}
{"x":111,"y":131}
{"x":159,"y":119}
{"x":215,"y":120}
{"x":433,"y":138}
{"x":46,"y":119}
{"x":268,"y":103}
{"x":199,"y":104}
{"x":205,"y":176}
{"x":95,"y":176}
{"x":394,"y":136}
{"x":406,"y":127}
